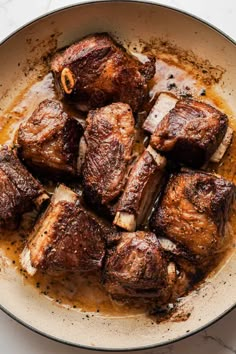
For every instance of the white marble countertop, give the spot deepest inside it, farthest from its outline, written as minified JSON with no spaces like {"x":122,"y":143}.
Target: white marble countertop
{"x":220,"y":338}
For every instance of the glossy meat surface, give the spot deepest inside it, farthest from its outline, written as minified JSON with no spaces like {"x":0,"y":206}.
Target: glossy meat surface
{"x":109,"y":136}
{"x":143,"y":185}
{"x":97,"y":71}
{"x":193,"y":212}
{"x":66,"y":238}
{"x":49,"y":140}
{"x":136,"y":267}
{"x":19,"y":190}
{"x":190,"y":133}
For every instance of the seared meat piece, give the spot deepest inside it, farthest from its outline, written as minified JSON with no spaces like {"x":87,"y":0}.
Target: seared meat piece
{"x":193,"y":212}
{"x":19,"y":191}
{"x":66,"y":238}
{"x":97,"y":71}
{"x":49,"y":140}
{"x":190,"y":133}
{"x":109,"y":136}
{"x":136,"y":268}
{"x":142,"y":188}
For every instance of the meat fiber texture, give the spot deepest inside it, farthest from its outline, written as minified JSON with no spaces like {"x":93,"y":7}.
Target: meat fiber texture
{"x":136,"y":267}
{"x":109,"y":137}
{"x":193,"y":212}
{"x":190,"y":133}
{"x":19,"y":190}
{"x":143,"y":186}
{"x":97,"y":71}
{"x":49,"y":140}
{"x":66,"y":238}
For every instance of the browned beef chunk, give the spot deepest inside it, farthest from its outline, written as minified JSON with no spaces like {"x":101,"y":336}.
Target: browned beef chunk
{"x":193,"y":212}
{"x":19,"y":191}
{"x":66,"y":238}
{"x":97,"y":71}
{"x":190,"y":133}
{"x":136,"y":268}
{"x":49,"y":140}
{"x":143,"y":185}
{"x":109,"y":137}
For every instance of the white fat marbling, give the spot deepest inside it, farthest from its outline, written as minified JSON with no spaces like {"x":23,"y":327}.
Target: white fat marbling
{"x":220,"y":338}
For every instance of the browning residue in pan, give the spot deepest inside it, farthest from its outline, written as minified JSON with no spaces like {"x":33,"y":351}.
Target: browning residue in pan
{"x":177,"y":72}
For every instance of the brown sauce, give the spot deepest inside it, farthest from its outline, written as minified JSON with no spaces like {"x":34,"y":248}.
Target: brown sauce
{"x":173,"y":74}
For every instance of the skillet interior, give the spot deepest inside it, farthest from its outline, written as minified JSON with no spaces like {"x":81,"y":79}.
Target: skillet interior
{"x":19,"y":65}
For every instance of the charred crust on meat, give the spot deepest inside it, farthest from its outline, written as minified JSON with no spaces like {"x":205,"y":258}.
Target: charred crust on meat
{"x":49,"y":140}
{"x":193,"y":211}
{"x":67,"y":237}
{"x":102,"y":72}
{"x":135,"y":267}
{"x":190,"y":133}
{"x":20,"y":191}
{"x":109,"y":137}
{"x":144,"y":184}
